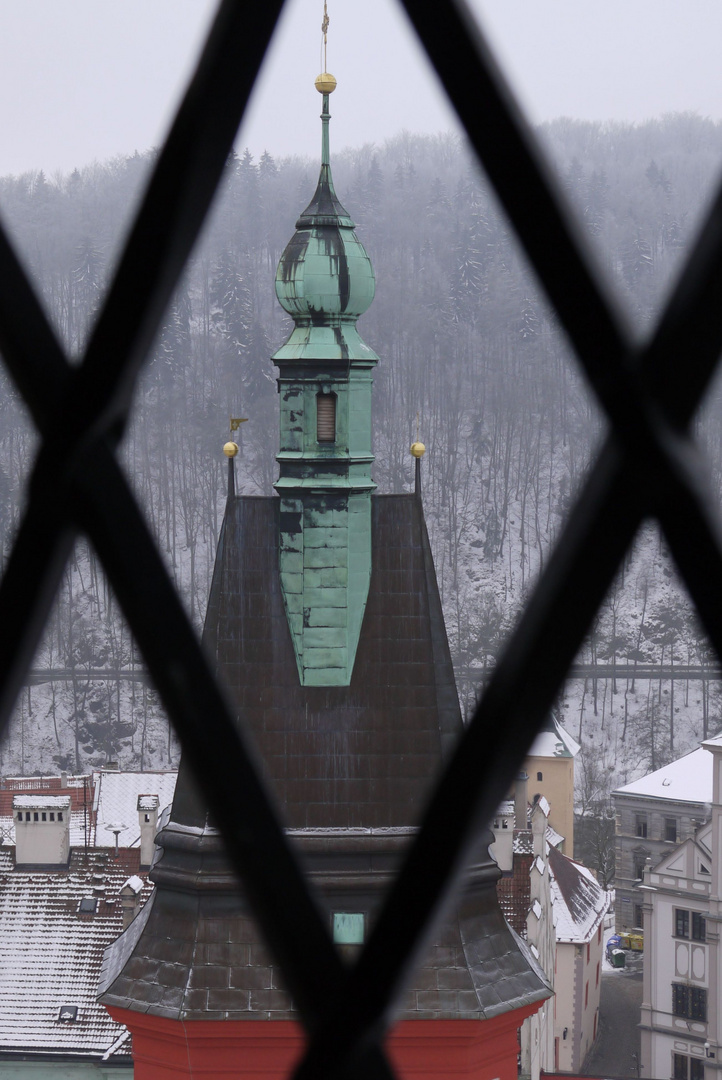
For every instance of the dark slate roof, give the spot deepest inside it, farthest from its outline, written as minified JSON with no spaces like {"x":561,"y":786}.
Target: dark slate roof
{"x":200,"y":956}
{"x":361,"y":755}
{"x":351,"y":767}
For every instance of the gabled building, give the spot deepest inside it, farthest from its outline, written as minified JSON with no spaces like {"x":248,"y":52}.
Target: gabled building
{"x":580,"y":905}
{"x":653,"y":816}
{"x":681,"y":1017}
{"x":559,"y":908}
{"x":325,"y":621}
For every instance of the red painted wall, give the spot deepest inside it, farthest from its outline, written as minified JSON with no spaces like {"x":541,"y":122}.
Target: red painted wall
{"x":268,"y":1049}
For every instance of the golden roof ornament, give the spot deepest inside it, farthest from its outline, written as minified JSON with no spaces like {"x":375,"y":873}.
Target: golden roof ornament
{"x":325,"y":82}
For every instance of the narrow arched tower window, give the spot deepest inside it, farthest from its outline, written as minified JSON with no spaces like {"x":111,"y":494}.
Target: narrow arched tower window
{"x":326,"y":417}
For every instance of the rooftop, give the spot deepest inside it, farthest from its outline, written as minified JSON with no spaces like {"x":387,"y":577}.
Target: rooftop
{"x":688,"y":779}
{"x":52,"y":953}
{"x":580,"y":902}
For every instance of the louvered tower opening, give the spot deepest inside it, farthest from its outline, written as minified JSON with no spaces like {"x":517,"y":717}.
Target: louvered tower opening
{"x":326,"y":418}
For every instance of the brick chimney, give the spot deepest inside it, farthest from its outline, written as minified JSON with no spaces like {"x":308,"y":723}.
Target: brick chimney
{"x":42,"y":830}
{"x":148,"y":818}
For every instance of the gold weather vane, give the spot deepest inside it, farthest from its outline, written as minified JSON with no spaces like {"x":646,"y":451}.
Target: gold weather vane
{"x":324,"y":31}
{"x":237,"y":421}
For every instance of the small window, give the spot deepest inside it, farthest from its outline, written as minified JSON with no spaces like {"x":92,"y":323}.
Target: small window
{"x":703,"y":869}
{"x":67,"y":1014}
{"x":586,"y":995}
{"x":539,"y":776}
{"x":696,"y":1069}
{"x":589,"y":949}
{"x":689,"y":1001}
{"x":44,"y":816}
{"x":27,"y":815}
{"x":640,"y":861}
{"x":679,"y":1066}
{"x":348,"y":928}
{"x":147,"y":819}
{"x":698,"y":1003}
{"x":641,"y":825}
{"x":60,"y":815}
{"x":597,"y":983}
{"x":326,"y":417}
{"x":52,"y":815}
{"x":680,"y":999}
{"x":35,"y":815}
{"x":681,"y":923}
{"x":670,"y":829}
{"x":638,"y":916}
{"x":699,"y":927}
{"x":20,"y":815}
{"x":88,"y":905}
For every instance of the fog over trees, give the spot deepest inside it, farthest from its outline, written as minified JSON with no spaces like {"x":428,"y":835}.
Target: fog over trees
{"x":466,"y":342}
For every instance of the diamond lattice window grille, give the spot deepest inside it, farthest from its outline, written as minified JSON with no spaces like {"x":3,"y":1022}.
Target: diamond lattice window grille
{"x":648,"y":466}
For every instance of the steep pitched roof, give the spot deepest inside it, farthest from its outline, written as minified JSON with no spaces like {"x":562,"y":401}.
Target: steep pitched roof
{"x":580,"y":902}
{"x":554,"y":741}
{"x":52,"y":953}
{"x":342,"y":756}
{"x":350,"y":766}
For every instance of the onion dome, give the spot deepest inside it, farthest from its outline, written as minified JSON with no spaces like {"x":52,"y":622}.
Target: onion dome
{"x":324,"y":278}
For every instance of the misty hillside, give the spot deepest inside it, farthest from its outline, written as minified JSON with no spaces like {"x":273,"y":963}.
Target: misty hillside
{"x":466,"y":343}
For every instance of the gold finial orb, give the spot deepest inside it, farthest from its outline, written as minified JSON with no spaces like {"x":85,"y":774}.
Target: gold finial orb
{"x":418,"y":449}
{"x":230,"y":449}
{"x":325,"y":83}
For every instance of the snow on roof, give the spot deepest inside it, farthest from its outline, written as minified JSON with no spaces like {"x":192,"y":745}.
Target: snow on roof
{"x":117,"y":797}
{"x":555,"y":741}
{"x":505,"y":808}
{"x":41,"y":802}
{"x":134,"y":882}
{"x":580,"y":902}
{"x":688,"y":779}
{"x":52,"y":953}
{"x":553,"y":837}
{"x":523,"y":843}
{"x":148,"y":802}
{"x":543,"y":805}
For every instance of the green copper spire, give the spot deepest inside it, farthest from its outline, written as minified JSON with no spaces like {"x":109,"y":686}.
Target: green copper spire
{"x":325,"y":281}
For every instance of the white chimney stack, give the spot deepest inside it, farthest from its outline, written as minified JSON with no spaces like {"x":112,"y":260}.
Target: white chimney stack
{"x":42,"y":830}
{"x":148,"y":818}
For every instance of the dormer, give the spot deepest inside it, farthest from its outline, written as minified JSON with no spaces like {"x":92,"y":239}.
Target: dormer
{"x":42,"y":830}
{"x":148,"y":819}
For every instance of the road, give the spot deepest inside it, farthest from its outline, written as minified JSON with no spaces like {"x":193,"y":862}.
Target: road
{"x":616,"y":1051}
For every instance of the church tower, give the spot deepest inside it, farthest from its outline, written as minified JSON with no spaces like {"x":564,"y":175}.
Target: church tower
{"x":325,"y":620}
{"x":325,"y":281}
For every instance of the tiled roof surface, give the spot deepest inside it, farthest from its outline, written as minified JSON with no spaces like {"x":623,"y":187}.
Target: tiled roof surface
{"x":343,"y":756}
{"x":351,"y":767}
{"x":514,"y":893}
{"x":580,"y":902}
{"x":186,"y":960}
{"x":51,"y":954}
{"x":523,"y":841}
{"x":116,"y":802}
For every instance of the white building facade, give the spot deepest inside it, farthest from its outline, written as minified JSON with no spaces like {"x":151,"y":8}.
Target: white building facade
{"x":680,"y":1016}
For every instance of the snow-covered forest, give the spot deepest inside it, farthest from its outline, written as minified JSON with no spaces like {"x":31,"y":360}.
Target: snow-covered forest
{"x":467,"y":344}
